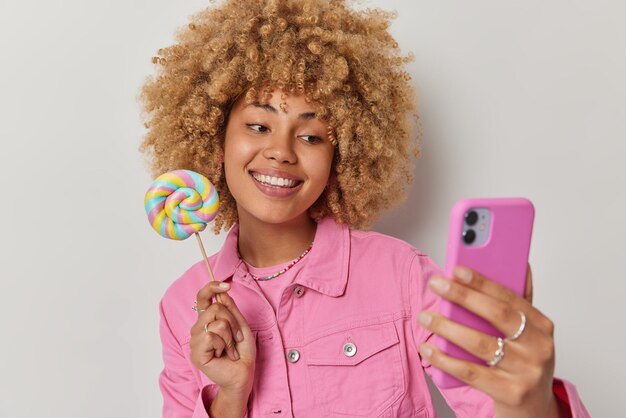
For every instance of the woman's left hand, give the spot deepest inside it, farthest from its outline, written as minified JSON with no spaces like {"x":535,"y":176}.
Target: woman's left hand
{"x":521,"y":383}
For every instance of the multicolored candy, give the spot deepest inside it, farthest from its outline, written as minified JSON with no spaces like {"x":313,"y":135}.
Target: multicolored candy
{"x":180,"y":203}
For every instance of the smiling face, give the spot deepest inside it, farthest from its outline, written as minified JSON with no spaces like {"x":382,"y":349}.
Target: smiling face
{"x":276,"y":162}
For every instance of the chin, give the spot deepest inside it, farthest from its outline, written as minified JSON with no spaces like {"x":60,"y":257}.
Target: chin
{"x":274,"y":217}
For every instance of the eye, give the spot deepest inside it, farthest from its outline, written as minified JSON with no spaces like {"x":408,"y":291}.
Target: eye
{"x":311,"y":139}
{"x":257,"y":127}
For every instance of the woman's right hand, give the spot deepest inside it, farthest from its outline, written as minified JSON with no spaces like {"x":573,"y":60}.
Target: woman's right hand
{"x":215,"y":349}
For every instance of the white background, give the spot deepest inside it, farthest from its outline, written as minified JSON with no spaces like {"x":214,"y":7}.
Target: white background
{"x":517,"y":99}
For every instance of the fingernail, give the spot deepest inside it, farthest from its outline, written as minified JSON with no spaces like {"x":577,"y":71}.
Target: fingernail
{"x":239,"y":336}
{"x":426,"y":351}
{"x":463,"y":274}
{"x":235,"y":354}
{"x":439,"y":284}
{"x":224,"y":285}
{"x":425,"y":318}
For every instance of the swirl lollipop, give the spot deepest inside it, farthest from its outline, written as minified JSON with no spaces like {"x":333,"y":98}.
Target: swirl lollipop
{"x":180,"y":203}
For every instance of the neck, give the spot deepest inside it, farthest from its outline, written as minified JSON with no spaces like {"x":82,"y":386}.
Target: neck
{"x":264,"y":245}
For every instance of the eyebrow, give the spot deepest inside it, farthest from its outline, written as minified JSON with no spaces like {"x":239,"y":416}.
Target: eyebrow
{"x":272,"y":109}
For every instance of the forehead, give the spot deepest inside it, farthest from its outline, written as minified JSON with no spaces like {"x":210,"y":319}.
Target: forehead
{"x":277,"y":102}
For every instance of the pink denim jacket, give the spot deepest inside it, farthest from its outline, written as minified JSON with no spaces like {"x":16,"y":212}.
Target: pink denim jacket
{"x":349,"y":321}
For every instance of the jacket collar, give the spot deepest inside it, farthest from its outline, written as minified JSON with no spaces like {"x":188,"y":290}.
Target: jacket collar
{"x":326,"y":271}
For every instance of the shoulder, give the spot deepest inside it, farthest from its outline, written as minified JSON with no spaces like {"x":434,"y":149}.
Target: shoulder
{"x":384,"y":245}
{"x":368,"y":247}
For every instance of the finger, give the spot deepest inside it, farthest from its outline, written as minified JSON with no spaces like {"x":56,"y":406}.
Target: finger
{"x":204,"y":348}
{"x":224,"y":339}
{"x":502,"y":315}
{"x":242,"y":324}
{"x":207,"y":339}
{"x":222,"y":328}
{"x":485,"y":379}
{"x":215,"y":342}
{"x":215,"y":338}
{"x":528,"y":292}
{"x":475,"y":280}
{"x":479,"y":344}
{"x":217,"y":312}
{"x":204,"y":297}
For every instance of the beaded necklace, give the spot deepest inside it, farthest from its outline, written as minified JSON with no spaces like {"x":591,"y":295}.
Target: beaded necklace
{"x":284,"y":269}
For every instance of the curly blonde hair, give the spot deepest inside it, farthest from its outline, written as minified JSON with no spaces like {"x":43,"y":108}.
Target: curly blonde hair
{"x":344,"y":62}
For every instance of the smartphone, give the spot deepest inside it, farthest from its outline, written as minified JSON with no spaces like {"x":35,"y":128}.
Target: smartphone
{"x":491,"y":236}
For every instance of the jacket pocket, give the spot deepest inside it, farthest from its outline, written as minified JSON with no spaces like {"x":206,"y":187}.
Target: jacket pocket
{"x":356,"y":372}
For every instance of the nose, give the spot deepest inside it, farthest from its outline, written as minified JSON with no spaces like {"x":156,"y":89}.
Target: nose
{"x":280,"y":148}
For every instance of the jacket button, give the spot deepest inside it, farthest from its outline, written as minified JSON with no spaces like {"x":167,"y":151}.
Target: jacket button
{"x":299,"y":291}
{"x":293,"y":355}
{"x":349,"y":349}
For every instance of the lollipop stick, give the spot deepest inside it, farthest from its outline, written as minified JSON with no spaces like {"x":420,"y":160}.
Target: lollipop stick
{"x":208,"y":266}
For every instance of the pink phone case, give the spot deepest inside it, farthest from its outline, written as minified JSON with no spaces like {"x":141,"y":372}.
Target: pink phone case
{"x":502,"y":258}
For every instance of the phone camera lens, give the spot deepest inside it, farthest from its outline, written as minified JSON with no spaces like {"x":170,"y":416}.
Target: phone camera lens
{"x":471,"y":217}
{"x":469,"y":236}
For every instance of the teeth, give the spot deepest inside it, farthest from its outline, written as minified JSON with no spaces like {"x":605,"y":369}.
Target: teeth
{"x":274,"y":181}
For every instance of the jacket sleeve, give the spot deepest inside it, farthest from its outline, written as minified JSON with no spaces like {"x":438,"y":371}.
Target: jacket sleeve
{"x":182,"y":396}
{"x":465,"y":401}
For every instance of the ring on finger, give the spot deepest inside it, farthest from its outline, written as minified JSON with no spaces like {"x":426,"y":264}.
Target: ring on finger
{"x":206,"y":328}
{"x":498,"y":355}
{"x":195,"y":307}
{"x":520,"y":330}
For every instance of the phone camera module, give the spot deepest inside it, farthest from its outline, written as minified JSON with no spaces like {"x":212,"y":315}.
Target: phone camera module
{"x":469,"y":236}
{"x":471,"y":217}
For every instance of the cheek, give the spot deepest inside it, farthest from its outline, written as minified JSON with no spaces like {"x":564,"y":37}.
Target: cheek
{"x":237,"y":153}
{"x":328,"y":163}
{"x":232,"y":162}
{"x":228,"y":161}
{"x":321,"y":171}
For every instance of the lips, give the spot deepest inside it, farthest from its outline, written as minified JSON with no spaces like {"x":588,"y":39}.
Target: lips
{"x":275,"y":178}
{"x":274,"y":183}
